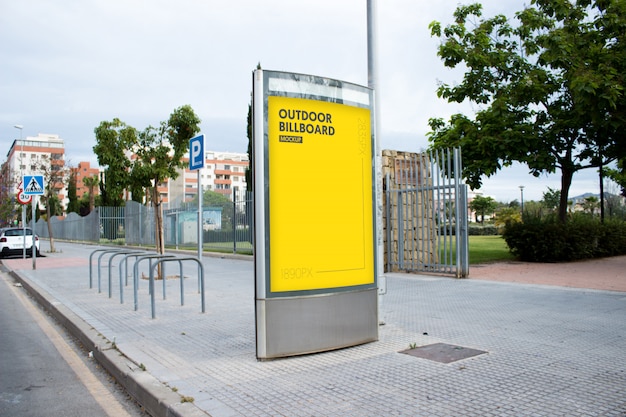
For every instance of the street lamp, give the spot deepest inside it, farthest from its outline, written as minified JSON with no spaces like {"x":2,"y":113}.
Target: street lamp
{"x":20,"y":127}
{"x":521,"y":189}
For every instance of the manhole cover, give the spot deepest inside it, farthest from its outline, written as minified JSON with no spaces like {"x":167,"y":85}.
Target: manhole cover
{"x":442,"y":352}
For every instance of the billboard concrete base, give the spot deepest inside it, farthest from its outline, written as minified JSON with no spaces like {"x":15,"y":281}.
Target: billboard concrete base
{"x":301,"y":325}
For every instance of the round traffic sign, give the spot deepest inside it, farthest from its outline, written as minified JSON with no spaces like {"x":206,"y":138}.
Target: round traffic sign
{"x":23,"y":198}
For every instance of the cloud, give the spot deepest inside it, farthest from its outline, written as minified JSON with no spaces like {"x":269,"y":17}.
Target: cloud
{"x":65,"y":67}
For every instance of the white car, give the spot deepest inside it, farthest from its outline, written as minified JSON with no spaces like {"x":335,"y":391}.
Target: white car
{"x":12,"y":241}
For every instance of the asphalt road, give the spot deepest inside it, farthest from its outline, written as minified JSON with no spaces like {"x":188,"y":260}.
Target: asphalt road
{"x":43,"y":372}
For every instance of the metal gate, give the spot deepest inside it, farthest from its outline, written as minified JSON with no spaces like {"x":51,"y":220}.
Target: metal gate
{"x":425,"y":213}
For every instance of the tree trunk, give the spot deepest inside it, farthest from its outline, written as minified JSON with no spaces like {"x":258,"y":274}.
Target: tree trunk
{"x":158,"y":219}
{"x":158,"y":227}
{"x":52,"y":249}
{"x":566,"y":182}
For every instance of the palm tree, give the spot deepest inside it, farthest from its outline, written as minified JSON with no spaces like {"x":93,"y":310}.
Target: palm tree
{"x":91,"y":182}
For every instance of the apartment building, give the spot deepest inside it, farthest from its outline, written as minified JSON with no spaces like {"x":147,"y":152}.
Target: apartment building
{"x":82,"y":171}
{"x":43,"y":154}
{"x":223,"y":173}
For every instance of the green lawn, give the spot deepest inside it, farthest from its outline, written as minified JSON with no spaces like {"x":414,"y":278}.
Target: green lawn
{"x":485,"y":249}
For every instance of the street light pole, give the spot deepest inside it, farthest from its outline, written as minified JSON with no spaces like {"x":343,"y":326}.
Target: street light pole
{"x":20,"y":127}
{"x":521,"y":189}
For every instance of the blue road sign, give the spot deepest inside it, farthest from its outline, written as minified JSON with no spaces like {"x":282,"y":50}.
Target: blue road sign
{"x":196,"y":152}
{"x":33,"y":184}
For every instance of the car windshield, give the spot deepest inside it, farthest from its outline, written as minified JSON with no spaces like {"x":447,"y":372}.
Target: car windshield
{"x":17,"y":232}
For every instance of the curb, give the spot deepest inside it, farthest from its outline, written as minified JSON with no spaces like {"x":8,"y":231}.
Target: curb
{"x":157,"y":399}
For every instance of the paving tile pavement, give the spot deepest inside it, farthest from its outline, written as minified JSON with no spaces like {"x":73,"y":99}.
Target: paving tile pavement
{"x":551,"y":351}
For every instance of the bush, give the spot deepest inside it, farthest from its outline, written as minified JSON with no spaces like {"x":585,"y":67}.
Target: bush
{"x":549,"y":240}
{"x":487,"y":230}
{"x":472,"y":230}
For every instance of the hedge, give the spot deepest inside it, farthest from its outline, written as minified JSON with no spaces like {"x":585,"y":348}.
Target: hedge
{"x":472,"y":230}
{"x":581,"y":237}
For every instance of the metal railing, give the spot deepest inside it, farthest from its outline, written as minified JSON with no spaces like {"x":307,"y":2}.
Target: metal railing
{"x":226,"y":228}
{"x":426,"y":214}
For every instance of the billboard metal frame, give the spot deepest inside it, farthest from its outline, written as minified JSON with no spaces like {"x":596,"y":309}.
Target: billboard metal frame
{"x":314,"y":314}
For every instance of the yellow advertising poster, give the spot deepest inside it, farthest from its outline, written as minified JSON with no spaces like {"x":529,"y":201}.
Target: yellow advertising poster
{"x":321,"y":231}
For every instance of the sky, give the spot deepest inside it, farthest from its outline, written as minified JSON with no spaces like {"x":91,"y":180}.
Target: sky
{"x":67,"y":66}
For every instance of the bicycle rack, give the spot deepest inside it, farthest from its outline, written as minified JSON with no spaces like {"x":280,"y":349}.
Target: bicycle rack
{"x":105,"y":251}
{"x":180,"y":263}
{"x":121,"y":252}
{"x":140,"y":256}
{"x":136,"y":273}
{"x":124,"y":261}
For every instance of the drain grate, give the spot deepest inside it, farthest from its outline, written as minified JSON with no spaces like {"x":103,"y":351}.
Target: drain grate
{"x":443,"y":352}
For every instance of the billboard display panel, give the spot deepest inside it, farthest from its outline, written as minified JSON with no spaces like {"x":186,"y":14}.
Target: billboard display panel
{"x":314,"y":182}
{"x":314,"y":150}
{"x":320,"y":195}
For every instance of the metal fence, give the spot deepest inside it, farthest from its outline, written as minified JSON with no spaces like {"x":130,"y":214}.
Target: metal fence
{"x":425,"y":219}
{"x":425,"y":213}
{"x":225,"y":228}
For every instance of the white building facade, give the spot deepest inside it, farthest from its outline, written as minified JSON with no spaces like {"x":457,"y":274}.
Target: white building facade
{"x":43,"y":154}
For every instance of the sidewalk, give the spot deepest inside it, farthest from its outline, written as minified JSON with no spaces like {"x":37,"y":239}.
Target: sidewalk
{"x":549,"y":350}
{"x":599,"y":274}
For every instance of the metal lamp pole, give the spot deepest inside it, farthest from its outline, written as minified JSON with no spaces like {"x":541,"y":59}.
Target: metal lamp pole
{"x":20,"y":127}
{"x":521,"y":189}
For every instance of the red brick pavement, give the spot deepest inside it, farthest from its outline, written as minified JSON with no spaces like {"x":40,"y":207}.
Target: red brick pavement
{"x":599,"y":274}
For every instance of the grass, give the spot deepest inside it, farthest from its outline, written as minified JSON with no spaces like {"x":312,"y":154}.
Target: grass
{"x":482,"y":249}
{"x":487,"y":249}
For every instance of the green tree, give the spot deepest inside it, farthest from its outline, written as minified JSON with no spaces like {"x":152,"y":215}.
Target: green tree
{"x":7,"y":199}
{"x":214,"y":199}
{"x":506,"y":215}
{"x":590,"y":204}
{"x":248,"y":173}
{"x":482,"y":205}
{"x":159,"y":154}
{"x":249,"y":131}
{"x":91,"y":183}
{"x":53,"y":206}
{"x":551,"y":199}
{"x":618,"y":175}
{"x":548,"y":88}
{"x":114,"y":142}
{"x":54,"y":176}
{"x":73,"y":206}
{"x":143,"y":161}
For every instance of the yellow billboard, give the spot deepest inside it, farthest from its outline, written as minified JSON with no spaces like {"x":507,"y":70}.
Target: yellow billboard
{"x":321,"y":224}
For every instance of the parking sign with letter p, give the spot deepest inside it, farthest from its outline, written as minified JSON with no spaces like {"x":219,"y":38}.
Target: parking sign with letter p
{"x":196,"y":152}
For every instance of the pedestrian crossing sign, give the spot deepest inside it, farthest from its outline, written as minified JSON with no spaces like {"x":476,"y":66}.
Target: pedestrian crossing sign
{"x":33,"y":184}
